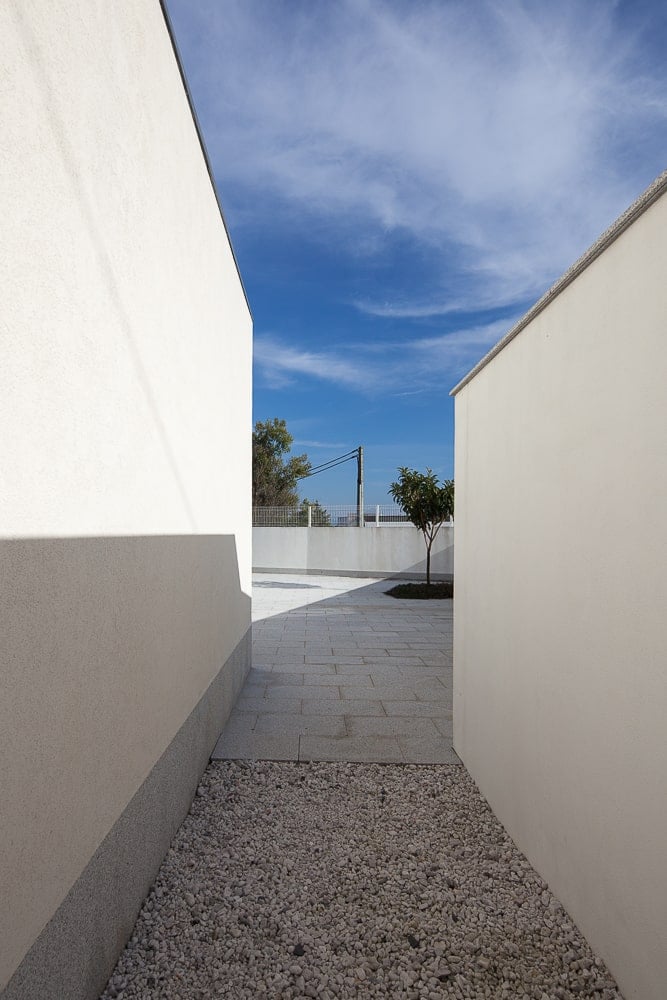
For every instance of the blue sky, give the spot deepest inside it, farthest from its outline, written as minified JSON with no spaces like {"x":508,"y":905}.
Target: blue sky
{"x":401,"y":181}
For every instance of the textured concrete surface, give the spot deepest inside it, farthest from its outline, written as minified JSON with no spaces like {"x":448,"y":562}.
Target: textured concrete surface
{"x":343,"y":672}
{"x":561,"y":631}
{"x":76,"y":951}
{"x":375,"y":552}
{"x":126,"y":360}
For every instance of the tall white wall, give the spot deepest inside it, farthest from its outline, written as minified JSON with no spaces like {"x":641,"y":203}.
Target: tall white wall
{"x":560,"y":680}
{"x":381,"y":551}
{"x":125,"y":466}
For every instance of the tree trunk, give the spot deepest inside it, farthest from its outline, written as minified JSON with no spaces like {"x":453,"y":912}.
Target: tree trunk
{"x":428,"y":564}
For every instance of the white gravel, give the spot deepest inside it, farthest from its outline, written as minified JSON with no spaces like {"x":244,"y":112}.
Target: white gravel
{"x":350,"y":880}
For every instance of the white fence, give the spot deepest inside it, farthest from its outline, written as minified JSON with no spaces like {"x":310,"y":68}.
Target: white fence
{"x":328,"y":516}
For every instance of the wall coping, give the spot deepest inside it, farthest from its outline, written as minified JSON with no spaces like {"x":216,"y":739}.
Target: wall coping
{"x":624,"y":221}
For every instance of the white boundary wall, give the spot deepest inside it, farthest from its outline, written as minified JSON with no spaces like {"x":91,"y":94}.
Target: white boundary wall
{"x":125,"y":530}
{"x":560,"y":662}
{"x":371,"y":551}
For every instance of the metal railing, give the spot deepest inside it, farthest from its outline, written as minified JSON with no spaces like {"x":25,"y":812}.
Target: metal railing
{"x":328,"y":516}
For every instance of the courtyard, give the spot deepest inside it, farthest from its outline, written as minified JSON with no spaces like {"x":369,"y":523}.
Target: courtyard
{"x":341,"y":671}
{"x":336,"y":847}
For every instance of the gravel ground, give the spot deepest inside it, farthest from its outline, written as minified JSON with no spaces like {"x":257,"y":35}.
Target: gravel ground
{"x":350,"y":880}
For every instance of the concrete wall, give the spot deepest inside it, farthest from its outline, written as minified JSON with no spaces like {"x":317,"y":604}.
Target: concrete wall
{"x":392,"y":551}
{"x":560,"y":686}
{"x":124,"y":547}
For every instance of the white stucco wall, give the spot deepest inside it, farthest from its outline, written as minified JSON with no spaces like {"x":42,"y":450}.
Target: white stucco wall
{"x":372,"y":550}
{"x":560,"y":679}
{"x":125,"y":403}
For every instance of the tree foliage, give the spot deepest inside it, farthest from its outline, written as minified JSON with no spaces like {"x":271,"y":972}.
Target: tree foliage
{"x":274,"y":476}
{"x":319,"y":516}
{"x":426,"y":501}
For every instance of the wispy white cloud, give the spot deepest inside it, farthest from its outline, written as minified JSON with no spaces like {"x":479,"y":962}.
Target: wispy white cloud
{"x":407,"y":310}
{"x":420,"y":309}
{"x":396,"y":368}
{"x":502,"y":134}
{"x":280,"y":362}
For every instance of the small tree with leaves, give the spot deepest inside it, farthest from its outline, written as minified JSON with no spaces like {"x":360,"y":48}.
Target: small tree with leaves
{"x":426,"y":502}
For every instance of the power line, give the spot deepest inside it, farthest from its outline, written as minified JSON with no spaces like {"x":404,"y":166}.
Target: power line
{"x":347,"y":456}
{"x":326,"y":468}
{"x":350,"y":456}
{"x":331,"y":464}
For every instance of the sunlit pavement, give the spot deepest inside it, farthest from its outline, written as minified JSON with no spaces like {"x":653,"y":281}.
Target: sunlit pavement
{"x":343,"y":672}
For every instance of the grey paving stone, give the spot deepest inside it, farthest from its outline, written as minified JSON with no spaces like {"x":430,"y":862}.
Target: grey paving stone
{"x":322,"y":706}
{"x":258,"y":675}
{"x":257,"y":746}
{"x":392,"y":668}
{"x":283,"y":694}
{"x":240,"y":722}
{"x":253,"y":690}
{"x":362,"y":749}
{"x":321,"y":692}
{"x":444,"y":726}
{"x":301,"y":725}
{"x":405,"y":661}
{"x":416,"y":709}
{"x":424,"y":671}
{"x":433,"y":692}
{"x":354,"y":670}
{"x":258,"y":705}
{"x":391,"y":678}
{"x":283,"y":679}
{"x":358,"y":648}
{"x":320,"y":680}
{"x":311,"y":668}
{"x":389,"y":726}
{"x":426,"y":750}
{"x":349,"y":660}
{"x":382,"y":691}
{"x":378,"y":672}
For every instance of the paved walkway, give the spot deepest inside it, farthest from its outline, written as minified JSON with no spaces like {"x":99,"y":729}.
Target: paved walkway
{"x":342,"y":672}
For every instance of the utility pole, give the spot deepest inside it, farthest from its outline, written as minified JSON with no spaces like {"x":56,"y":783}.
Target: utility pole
{"x":360,"y":486}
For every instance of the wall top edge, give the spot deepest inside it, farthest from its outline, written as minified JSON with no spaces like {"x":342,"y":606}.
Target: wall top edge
{"x":624,"y":221}
{"x":200,"y":136}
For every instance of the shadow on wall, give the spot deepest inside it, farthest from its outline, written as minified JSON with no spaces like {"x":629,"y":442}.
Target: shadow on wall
{"x":441,"y":566}
{"x":122,"y":659}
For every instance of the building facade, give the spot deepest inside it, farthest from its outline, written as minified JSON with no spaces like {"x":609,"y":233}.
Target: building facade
{"x":125,"y":525}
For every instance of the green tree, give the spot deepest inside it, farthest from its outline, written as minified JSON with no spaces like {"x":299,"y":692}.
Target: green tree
{"x":274,"y":476}
{"x":319,"y":516}
{"x":426,"y":502}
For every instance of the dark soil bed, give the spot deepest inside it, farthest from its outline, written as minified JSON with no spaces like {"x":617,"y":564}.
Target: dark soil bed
{"x":422,"y":591}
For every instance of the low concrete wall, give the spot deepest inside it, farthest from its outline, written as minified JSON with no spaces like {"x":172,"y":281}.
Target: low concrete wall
{"x":382,"y":552}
